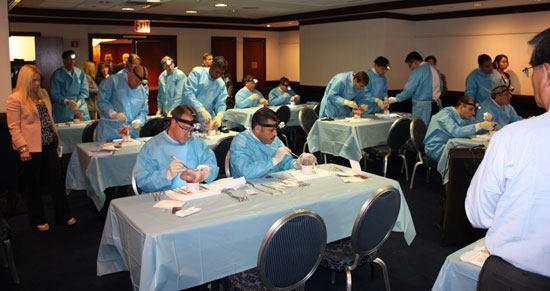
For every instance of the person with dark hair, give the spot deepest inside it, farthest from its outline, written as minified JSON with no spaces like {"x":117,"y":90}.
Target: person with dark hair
{"x":102,"y":73}
{"x":481,"y":80}
{"x":206,"y":91}
{"x":377,"y":89}
{"x":501,"y":64}
{"x":345,"y":92}
{"x":498,"y":106}
{"x":123,"y":102}
{"x":283,"y":94}
{"x":452,"y":122}
{"x":175,"y":151}
{"x":206,"y":62}
{"x":170,"y":90}
{"x":508,"y":194}
{"x":433,"y":61}
{"x":122,"y":65}
{"x":69,"y":89}
{"x":257,"y":152}
{"x":424,"y":86}
{"x":248,"y":96}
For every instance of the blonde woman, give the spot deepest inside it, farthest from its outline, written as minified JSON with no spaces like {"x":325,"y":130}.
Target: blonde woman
{"x":34,"y":136}
{"x":90,"y":71}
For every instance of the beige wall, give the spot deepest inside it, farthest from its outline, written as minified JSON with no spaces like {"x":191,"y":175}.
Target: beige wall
{"x":5,"y":73}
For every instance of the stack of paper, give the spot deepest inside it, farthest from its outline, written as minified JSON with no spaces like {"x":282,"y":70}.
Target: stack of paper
{"x":99,"y":153}
{"x":477,"y":256}
{"x":228,"y":183}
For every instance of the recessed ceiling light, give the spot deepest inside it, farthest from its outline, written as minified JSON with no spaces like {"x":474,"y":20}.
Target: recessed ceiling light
{"x":477,"y":4}
{"x":191,"y":11}
{"x":220,"y":5}
{"x":269,"y":25}
{"x":127,"y":9}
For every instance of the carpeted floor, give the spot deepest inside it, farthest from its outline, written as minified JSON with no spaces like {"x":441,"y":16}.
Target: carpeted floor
{"x":64,"y":258}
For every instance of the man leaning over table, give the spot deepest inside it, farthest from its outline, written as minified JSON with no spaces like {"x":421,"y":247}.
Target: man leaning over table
{"x":257,"y":152}
{"x":509,"y":193}
{"x":175,"y":157}
{"x":345,"y":92}
{"x":452,"y":122}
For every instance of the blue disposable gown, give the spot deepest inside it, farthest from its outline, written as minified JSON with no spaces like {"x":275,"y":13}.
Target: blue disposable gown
{"x":115,"y":94}
{"x":419,"y":86}
{"x":446,"y":124}
{"x":503,"y":115}
{"x":376,"y":88}
{"x":203,"y":91}
{"x":72,"y":86}
{"x":153,"y":161}
{"x":242,"y":99}
{"x":252,"y":158}
{"x":276,"y":96}
{"x":170,"y":92}
{"x":479,"y":84}
{"x":341,"y":88}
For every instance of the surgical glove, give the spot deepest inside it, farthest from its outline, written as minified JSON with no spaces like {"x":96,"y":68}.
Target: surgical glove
{"x":176,"y":166}
{"x":306,"y":159}
{"x":118,"y":116}
{"x":487,"y":125}
{"x":350,"y":104}
{"x":204,"y":171}
{"x":205,"y":114}
{"x":392,"y":100}
{"x":159,"y":113}
{"x":487,"y":116}
{"x":254,"y":96}
{"x":364,"y":107}
{"x":191,"y":176}
{"x":136,"y":124}
{"x":169,"y":114}
{"x":75,"y":105}
{"x":217,"y":122}
{"x":380,"y":103}
{"x":263,"y":101}
{"x":295,"y":98}
{"x":286,"y":95}
{"x":280,"y":155}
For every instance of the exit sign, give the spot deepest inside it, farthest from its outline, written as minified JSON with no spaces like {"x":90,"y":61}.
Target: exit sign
{"x":142,"y":26}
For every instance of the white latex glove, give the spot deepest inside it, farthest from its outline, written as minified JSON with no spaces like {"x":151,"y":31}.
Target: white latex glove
{"x":73,"y":105}
{"x":118,"y":116}
{"x":286,"y":95}
{"x":350,"y":104}
{"x":176,"y":166}
{"x":191,"y":176}
{"x":76,"y":105}
{"x":364,"y":107}
{"x":306,"y":159}
{"x":392,"y":100}
{"x":136,"y":124}
{"x":205,"y":172}
{"x":487,"y":125}
{"x":217,"y":122}
{"x":263,"y":101}
{"x":295,"y":98}
{"x":280,"y":155}
{"x":159,"y":113}
{"x":254,"y":96}
{"x":169,"y":114}
{"x":205,"y":114}
{"x":379,"y":102}
{"x":487,"y":116}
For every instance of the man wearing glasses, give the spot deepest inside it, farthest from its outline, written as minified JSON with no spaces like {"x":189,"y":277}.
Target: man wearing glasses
{"x":123,"y":101}
{"x":175,"y":157}
{"x":509,"y":193}
{"x":257,"y":152}
{"x":452,"y":122}
{"x":248,"y":96}
{"x":499,"y":106}
{"x":171,"y":83}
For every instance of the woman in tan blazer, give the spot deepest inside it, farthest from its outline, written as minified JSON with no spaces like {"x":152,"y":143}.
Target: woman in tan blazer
{"x":34,"y":136}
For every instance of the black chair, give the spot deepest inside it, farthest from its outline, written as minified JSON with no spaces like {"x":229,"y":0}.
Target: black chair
{"x":289,"y":255}
{"x":154,"y":126}
{"x":227,"y":165}
{"x":398,"y":135}
{"x":307,"y":118}
{"x":136,"y":189}
{"x":89,"y":132}
{"x":418,"y":132}
{"x":317,"y":108}
{"x":371,"y":229}
{"x":220,"y":150}
{"x":6,"y":250}
{"x":283,"y":114}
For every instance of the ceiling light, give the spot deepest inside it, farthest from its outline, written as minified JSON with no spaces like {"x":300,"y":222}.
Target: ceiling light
{"x":220,"y":5}
{"x":477,"y":4}
{"x":269,"y":25}
{"x":127,"y":9}
{"x":191,"y":11}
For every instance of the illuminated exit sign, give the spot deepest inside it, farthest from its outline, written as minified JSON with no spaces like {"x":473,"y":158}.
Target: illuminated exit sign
{"x":142,"y":26}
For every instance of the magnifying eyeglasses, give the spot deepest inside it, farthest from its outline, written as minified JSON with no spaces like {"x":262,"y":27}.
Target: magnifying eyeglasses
{"x":196,"y":126}
{"x":526,"y":71}
{"x":167,"y":62}
{"x":279,"y":125}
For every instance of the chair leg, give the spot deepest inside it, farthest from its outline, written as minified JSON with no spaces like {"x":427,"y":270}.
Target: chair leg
{"x":384,"y":272}
{"x":301,"y":287}
{"x":414,"y":173}
{"x":332,"y":277}
{"x":386,"y":157}
{"x":4,"y":256}
{"x":11,"y":262}
{"x":325,"y":155}
{"x":428,"y":175}
{"x":406,"y":167}
{"x":348,"y":279}
{"x":305,"y":145}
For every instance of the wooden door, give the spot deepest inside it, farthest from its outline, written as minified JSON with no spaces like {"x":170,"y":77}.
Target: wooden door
{"x":116,"y":50}
{"x":254,"y":59}
{"x":227,"y":47}
{"x":48,"y":57}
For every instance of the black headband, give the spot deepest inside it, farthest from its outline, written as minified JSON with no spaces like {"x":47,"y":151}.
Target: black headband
{"x":194,"y":123}
{"x":143,"y":78}
{"x":277,"y":124}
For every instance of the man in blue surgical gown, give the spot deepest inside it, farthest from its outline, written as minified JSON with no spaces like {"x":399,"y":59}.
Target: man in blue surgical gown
{"x":206,"y":91}
{"x":377,"y":89}
{"x":69,"y":89}
{"x":122,"y":102}
{"x":499,"y":107}
{"x":345,"y":92}
{"x":257,"y":152}
{"x":283,"y":94}
{"x":248,"y":96}
{"x":480,"y":81}
{"x":452,"y":122}
{"x":423,"y":86}
{"x":175,"y":157}
{"x":171,"y":82}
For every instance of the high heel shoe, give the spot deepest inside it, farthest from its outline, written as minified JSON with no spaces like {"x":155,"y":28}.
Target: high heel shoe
{"x":43,"y":227}
{"x":71,"y":221}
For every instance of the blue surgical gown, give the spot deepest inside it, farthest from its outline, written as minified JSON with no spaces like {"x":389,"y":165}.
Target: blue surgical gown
{"x":72,"y":86}
{"x":446,"y":124}
{"x":153,"y":161}
{"x":203,"y":91}
{"x":341,"y":88}
{"x":376,"y":88}
{"x":276,"y":96}
{"x":115,"y":94}
{"x":479,"y":84}
{"x":503,"y":115}
{"x":242,"y":99}
{"x":252,"y":158}
{"x":419,"y":86}
{"x":170,"y":92}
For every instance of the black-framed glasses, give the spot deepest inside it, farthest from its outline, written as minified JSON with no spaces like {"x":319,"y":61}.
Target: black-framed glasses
{"x":195,"y":125}
{"x":526,"y":71}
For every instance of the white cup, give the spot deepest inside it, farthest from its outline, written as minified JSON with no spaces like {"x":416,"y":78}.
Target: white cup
{"x":126,"y":137}
{"x":193,"y":187}
{"x":212,"y":132}
{"x":307,"y":169}
{"x":293,"y":103}
{"x":76,"y":120}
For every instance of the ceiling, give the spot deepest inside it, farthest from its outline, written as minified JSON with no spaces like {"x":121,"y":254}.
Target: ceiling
{"x":271,"y":13}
